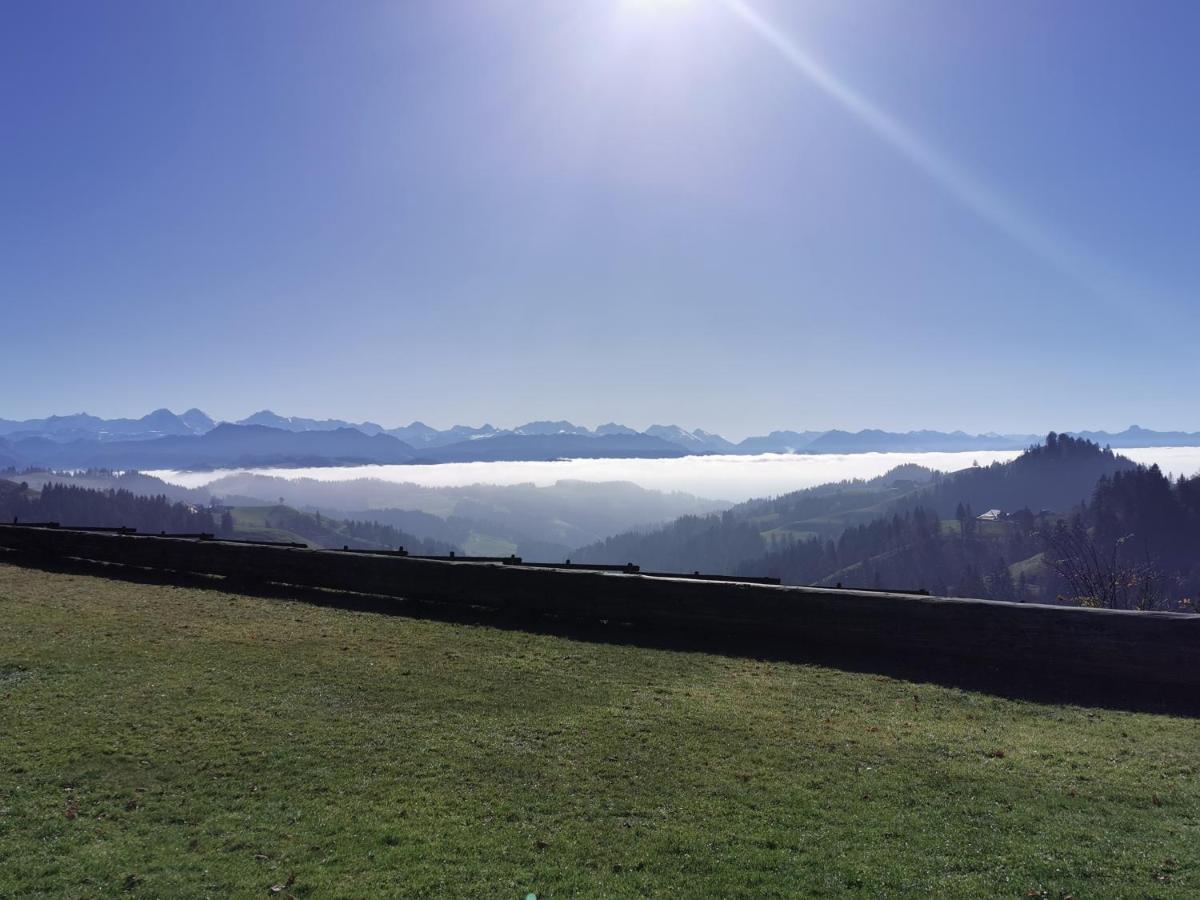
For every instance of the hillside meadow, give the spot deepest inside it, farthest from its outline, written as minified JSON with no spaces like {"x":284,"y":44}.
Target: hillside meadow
{"x":184,"y":741}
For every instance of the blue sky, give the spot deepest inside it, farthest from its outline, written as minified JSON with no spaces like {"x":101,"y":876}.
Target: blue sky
{"x":733,"y":214}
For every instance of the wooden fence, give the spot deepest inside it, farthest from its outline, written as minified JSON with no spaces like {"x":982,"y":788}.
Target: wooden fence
{"x":1128,"y":646}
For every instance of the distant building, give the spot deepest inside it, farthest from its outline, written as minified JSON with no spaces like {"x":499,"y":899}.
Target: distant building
{"x":992,"y":515}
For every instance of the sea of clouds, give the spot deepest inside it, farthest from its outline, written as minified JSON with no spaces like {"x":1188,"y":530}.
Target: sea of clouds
{"x":732,"y":478}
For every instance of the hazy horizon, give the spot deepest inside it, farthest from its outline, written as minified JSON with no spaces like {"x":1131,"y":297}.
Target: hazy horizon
{"x":446,"y":422}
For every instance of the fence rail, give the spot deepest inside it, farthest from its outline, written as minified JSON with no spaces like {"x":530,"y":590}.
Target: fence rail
{"x":511,"y":560}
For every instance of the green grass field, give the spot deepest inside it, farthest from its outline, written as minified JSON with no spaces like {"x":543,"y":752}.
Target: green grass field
{"x":486,"y":545}
{"x":184,"y":742}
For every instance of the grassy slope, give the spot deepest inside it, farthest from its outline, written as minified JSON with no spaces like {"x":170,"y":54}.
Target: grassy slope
{"x":250,"y":522}
{"x":486,"y":545}
{"x":288,"y":524}
{"x":184,"y":742}
{"x":861,"y":504}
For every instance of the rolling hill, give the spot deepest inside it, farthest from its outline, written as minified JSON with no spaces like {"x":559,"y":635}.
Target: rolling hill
{"x":886,"y":532}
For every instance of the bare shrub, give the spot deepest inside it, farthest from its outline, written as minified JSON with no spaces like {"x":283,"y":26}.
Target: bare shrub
{"x":1106,"y":577}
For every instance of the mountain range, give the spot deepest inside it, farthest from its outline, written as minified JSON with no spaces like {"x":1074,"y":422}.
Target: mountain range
{"x":163,"y":439}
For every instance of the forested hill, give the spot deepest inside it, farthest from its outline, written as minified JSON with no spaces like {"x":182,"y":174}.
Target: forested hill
{"x":828,"y":508}
{"x":71,"y":505}
{"x":1132,"y":545}
{"x":717,"y":543}
{"x":1056,"y":475}
{"x":885,"y":532}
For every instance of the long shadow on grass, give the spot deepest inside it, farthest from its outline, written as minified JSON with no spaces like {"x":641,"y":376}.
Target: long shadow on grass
{"x":1017,"y":682}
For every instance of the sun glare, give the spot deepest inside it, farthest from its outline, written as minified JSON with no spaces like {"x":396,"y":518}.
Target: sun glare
{"x":654,"y":6}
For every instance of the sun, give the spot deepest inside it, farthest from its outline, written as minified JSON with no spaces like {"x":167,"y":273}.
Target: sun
{"x":655,"y":6}
{"x":659,"y":12}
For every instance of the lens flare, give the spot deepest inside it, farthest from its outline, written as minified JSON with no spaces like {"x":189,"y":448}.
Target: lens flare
{"x":1055,"y":249}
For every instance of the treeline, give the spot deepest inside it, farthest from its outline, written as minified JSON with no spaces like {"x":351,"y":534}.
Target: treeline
{"x":326,"y":531}
{"x":1147,"y":527}
{"x":1057,"y":475}
{"x":934,"y":541}
{"x":913,"y":529}
{"x":826,"y":509}
{"x":712,"y":544}
{"x":914,"y":550}
{"x":717,"y":544}
{"x":1134,"y":542}
{"x":387,"y":537}
{"x":1152,"y":514}
{"x":71,"y":505}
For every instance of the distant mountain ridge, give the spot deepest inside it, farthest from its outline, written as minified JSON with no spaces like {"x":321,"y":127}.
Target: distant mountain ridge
{"x":298,"y":423}
{"x":81,"y":426}
{"x":46,"y":441}
{"x":874,"y":440}
{"x":514,"y":447}
{"x":224,"y":446}
{"x":698,"y":440}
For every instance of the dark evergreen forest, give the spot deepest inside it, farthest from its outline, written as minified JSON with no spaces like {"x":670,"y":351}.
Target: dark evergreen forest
{"x":71,"y":505}
{"x":916,"y":530}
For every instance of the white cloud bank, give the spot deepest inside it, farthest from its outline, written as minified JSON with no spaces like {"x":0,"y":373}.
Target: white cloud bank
{"x":733,"y":478}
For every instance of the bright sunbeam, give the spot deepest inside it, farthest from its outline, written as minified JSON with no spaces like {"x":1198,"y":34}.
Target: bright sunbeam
{"x":949,"y":175}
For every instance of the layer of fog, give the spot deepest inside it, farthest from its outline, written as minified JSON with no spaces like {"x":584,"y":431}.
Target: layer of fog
{"x":1174,"y":461}
{"x":729,"y":478}
{"x":566,"y":514}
